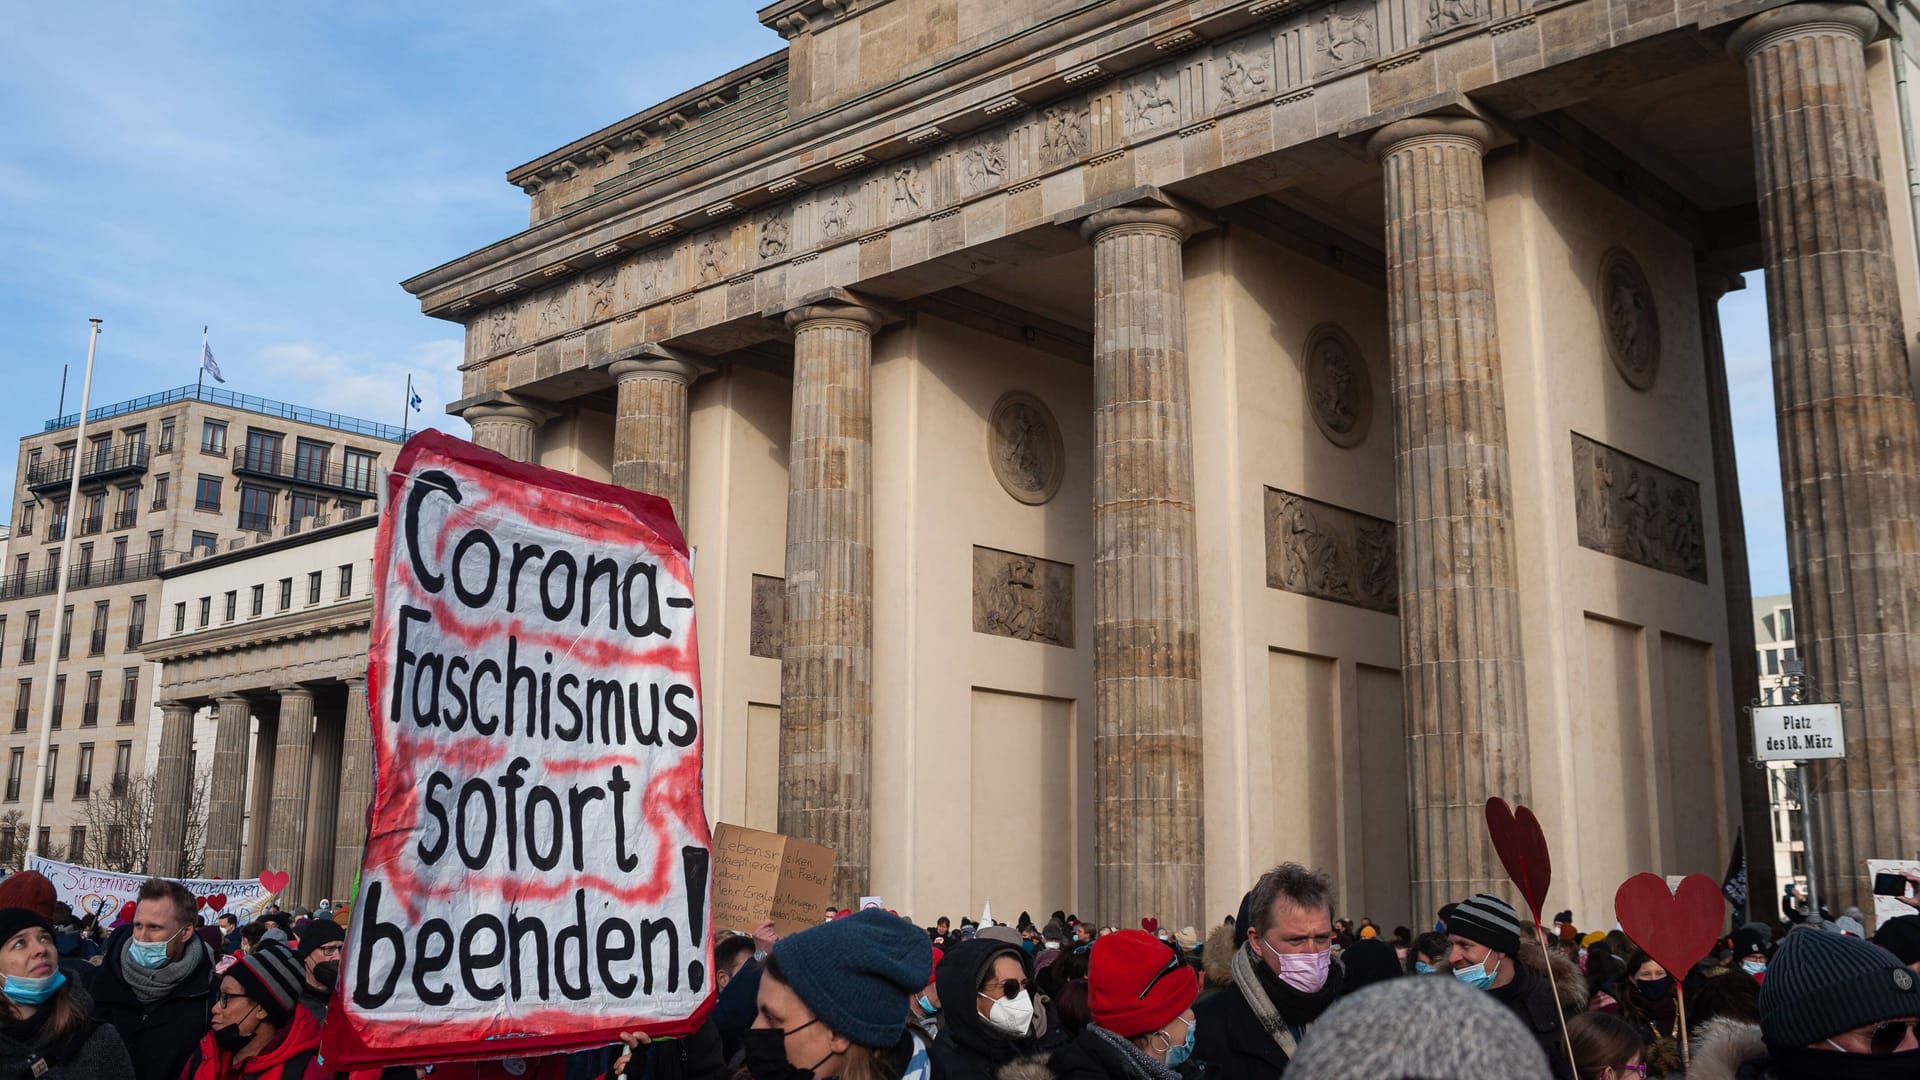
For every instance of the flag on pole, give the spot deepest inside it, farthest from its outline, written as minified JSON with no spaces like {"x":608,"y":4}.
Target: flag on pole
{"x":207,"y":363}
{"x":1734,"y":885}
{"x":416,"y":401}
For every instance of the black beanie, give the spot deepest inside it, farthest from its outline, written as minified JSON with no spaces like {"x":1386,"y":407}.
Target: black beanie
{"x":1749,"y":940}
{"x":1901,"y":937}
{"x":15,"y":919}
{"x":315,"y":933}
{"x":1821,"y":983}
{"x":1488,"y":920}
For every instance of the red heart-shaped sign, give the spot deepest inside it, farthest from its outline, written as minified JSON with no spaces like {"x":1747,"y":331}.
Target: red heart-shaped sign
{"x":274,"y":881}
{"x":217,"y":902}
{"x":1522,"y":848}
{"x":199,"y":902}
{"x":126,"y":913}
{"x":1149,"y":925}
{"x":1677,"y":929}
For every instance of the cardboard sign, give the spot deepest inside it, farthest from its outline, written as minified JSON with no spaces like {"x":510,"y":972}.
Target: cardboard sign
{"x":1798,"y":732}
{"x":761,"y":875}
{"x":536,"y":869}
{"x":104,"y":892}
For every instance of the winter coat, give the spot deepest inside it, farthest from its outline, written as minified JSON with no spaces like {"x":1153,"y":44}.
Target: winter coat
{"x":286,"y":1058}
{"x":968,"y":1047}
{"x":1531,"y":998}
{"x":1725,"y":1049}
{"x":1090,"y":1057}
{"x":1233,"y":1042}
{"x":92,"y":1052}
{"x":699,"y":1056}
{"x":159,"y":1037}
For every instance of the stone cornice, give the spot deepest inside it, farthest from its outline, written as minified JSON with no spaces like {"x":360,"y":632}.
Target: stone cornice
{"x":791,"y":18}
{"x":354,"y":615}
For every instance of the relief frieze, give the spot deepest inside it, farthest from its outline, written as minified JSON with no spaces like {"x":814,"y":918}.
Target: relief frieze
{"x":1329,"y":552}
{"x":1022,"y":596}
{"x":767,"y":623}
{"x":1637,"y":511}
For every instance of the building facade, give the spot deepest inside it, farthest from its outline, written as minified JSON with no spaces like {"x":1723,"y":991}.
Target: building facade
{"x":194,"y":470}
{"x":1774,"y":649}
{"x":1128,"y":444}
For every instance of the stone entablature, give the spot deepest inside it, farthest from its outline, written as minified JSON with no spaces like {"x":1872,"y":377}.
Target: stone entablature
{"x":321,"y":644}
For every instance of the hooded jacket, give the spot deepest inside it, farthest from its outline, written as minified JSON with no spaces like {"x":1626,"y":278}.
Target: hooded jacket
{"x":968,"y":1047}
{"x":159,"y":1037}
{"x":1231,"y":1039}
{"x":1530,"y":996}
{"x":286,"y":1058}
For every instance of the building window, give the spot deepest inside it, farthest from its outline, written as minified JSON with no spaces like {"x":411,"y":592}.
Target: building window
{"x":1789,"y":654}
{"x":59,"y":700}
{"x":256,"y":508}
{"x":213,"y":436}
{"x":66,"y":630}
{"x":206,"y":493}
{"x":259,"y":604}
{"x":129,"y":693}
{"x":122,"y":766}
{"x":83,"y":568}
{"x":1773,"y":661}
{"x":232,"y":605}
{"x":22,"y":701}
{"x":154,"y":540}
{"x":77,"y":843}
{"x":16,"y":764}
{"x":136,"y":622}
{"x":57,"y":520}
{"x":310,"y":461}
{"x":101,"y":451}
{"x":97,"y":640}
{"x":53,"y":771}
{"x":358,"y":469}
{"x":346,"y":581}
{"x":116,"y":845}
{"x":136,"y":437}
{"x":90,"y":708}
{"x":204,"y":543}
{"x":83,"y":776}
{"x":96,"y":513}
{"x":53,"y":564}
{"x":180,"y":617}
{"x":1786,"y":624}
{"x":26,"y":518}
{"x":3,"y":635}
{"x":286,"y":593}
{"x":166,"y":435}
{"x":44,"y":842}
{"x":263,"y":451}
{"x":30,"y":641}
{"x":313,"y":587}
{"x":119,"y":567}
{"x":160,"y":486}
{"x":129,"y":506}
{"x":300,"y":507}
{"x":348,"y":509}
{"x":206,"y":611}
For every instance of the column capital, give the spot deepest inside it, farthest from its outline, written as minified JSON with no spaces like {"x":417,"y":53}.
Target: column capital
{"x":231,"y":699}
{"x":837,"y":306}
{"x":293,"y":690}
{"x":1798,"y":20}
{"x":1714,"y":282}
{"x":1168,"y":220}
{"x":1455,"y":129}
{"x":498,"y":405}
{"x":651,"y":360}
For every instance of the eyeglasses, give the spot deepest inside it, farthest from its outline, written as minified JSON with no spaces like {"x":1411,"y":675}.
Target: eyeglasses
{"x":1887,"y":1037}
{"x":1173,"y":964}
{"x":1008,"y":987}
{"x":220,"y":998}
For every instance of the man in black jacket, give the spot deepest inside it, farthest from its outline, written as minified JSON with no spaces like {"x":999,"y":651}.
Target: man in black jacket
{"x":1284,"y":977}
{"x":1484,"y":938}
{"x":155,"y":983}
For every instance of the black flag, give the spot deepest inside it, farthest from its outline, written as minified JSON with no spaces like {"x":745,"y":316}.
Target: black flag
{"x":1734,"y":885}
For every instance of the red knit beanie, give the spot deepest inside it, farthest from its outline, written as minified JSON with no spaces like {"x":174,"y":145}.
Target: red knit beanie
{"x":1120,"y":966}
{"x":29,"y":889}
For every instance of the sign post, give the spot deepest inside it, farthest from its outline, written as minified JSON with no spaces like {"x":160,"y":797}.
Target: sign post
{"x":1800,"y":732}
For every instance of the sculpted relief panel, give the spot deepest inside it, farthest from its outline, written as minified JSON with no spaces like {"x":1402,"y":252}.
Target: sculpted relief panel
{"x":1331,"y":553}
{"x":1022,"y":596}
{"x":1339,"y":390}
{"x":1632,"y":320}
{"x":767,"y":625}
{"x":1637,"y":511}
{"x":1025,"y":447}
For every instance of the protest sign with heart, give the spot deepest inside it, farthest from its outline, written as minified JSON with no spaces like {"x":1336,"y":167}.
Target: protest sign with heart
{"x":1676,"y":928}
{"x":1523,"y":850}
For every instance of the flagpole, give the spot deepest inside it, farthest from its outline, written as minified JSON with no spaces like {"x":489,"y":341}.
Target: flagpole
{"x":406,"y":407}
{"x":200,"y":379}
{"x":38,"y":792}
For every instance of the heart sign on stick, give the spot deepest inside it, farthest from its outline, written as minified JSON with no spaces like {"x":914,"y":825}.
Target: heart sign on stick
{"x":274,"y":881}
{"x":1677,"y":928}
{"x":1523,"y":850}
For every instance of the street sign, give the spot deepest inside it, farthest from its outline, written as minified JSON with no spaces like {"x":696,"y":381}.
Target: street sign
{"x":1798,"y":732}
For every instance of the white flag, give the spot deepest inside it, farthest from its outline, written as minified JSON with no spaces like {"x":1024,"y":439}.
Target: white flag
{"x":207,"y":364}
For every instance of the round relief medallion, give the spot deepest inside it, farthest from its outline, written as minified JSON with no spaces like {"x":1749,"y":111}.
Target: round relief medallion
{"x":1339,"y":391}
{"x":1630,"y":320}
{"x":1023,"y":442}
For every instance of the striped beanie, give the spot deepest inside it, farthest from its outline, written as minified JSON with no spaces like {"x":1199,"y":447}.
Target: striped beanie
{"x":272,"y":979}
{"x":1820,"y":984}
{"x":1488,"y":920}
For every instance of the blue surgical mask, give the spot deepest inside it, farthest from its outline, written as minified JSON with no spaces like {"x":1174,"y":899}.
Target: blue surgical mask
{"x":148,"y":954}
{"x":928,"y":1007}
{"x":1753,"y":967}
{"x":24,"y":991}
{"x":1477,"y":976}
{"x":1423,"y":967}
{"x":1178,"y":1055}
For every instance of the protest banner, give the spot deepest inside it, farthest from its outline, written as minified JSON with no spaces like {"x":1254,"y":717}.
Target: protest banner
{"x":103,"y":892}
{"x":761,"y":875}
{"x":536,"y":869}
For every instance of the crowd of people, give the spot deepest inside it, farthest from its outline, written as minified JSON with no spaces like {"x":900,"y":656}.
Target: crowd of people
{"x":1282,"y":987}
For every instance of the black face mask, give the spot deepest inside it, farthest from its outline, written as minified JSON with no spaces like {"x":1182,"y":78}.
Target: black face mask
{"x":326,"y":973}
{"x":1653,"y":989}
{"x":231,"y":1038}
{"x":766,"y":1054}
{"x":1838,"y":1066}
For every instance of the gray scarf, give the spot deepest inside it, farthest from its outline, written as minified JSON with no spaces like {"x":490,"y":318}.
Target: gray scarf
{"x":1140,"y":1065}
{"x":152,"y":984}
{"x":1247,"y":981}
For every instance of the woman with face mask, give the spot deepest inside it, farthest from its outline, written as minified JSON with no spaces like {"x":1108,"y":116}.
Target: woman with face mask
{"x":987,"y":996}
{"x":259,"y":1031}
{"x":1141,"y":995}
{"x":47,"y":1032}
{"x":833,"y":1001}
{"x":1650,"y":1002}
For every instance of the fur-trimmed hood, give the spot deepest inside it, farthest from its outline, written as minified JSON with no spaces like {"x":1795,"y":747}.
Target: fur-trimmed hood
{"x":1027,"y":1068}
{"x":1721,"y":1046}
{"x":1568,"y":979}
{"x":1219,"y":955}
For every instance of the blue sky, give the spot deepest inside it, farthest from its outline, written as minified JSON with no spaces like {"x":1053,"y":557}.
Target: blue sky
{"x":274,"y":170}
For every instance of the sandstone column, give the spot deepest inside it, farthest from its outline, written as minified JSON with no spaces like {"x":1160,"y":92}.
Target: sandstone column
{"x":253,"y":854}
{"x":1146,"y":632}
{"x":228,"y":789}
{"x":287,"y":827}
{"x":323,"y":806}
{"x":356,"y":791}
{"x":1849,"y":436}
{"x":172,"y":790}
{"x":505,"y":429}
{"x":826,"y":661}
{"x":650,"y":424}
{"x":1460,"y":659}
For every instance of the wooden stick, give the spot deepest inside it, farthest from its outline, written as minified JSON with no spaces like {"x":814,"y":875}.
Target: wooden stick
{"x":1686,"y":1051}
{"x":1547,"y":951}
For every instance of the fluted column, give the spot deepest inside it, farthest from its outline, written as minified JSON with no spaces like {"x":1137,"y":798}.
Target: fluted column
{"x":826,"y":660}
{"x":323,"y":806}
{"x":650,"y":426}
{"x":225,"y":798}
{"x":172,"y":790}
{"x":1849,"y":436}
{"x":287,"y":828}
{"x":253,"y":854}
{"x":1460,"y":655}
{"x":507,"y":430}
{"x":356,"y":791}
{"x":1148,"y":850}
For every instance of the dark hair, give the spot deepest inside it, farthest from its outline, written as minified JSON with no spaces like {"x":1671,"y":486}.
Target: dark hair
{"x":1071,"y":1002}
{"x":1602,"y":1041}
{"x":1301,"y":887}
{"x":253,"y":932}
{"x":161,"y":889}
{"x":1603,"y":967}
{"x":727,"y":953}
{"x":1735,"y":995}
{"x":1432,"y":945}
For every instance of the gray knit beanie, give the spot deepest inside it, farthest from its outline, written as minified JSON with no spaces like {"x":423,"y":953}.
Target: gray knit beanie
{"x":857,"y":972}
{"x":1821,"y":984}
{"x":1419,"y":1029}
